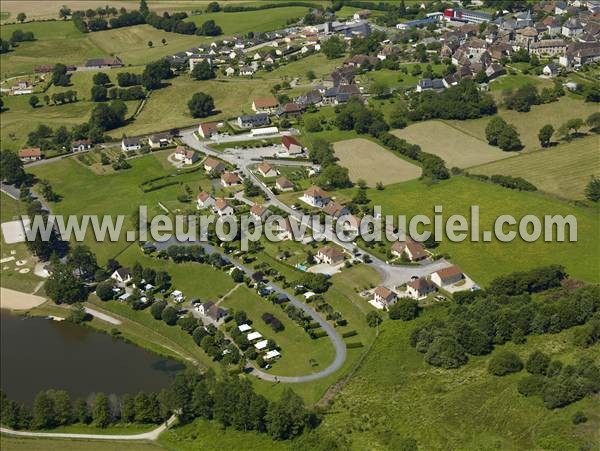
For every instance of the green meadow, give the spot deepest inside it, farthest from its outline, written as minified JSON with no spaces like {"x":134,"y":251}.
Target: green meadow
{"x":395,"y":395}
{"x":84,"y":192}
{"x":486,"y":260}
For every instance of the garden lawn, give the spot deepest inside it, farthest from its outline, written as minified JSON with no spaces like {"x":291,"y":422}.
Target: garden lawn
{"x":85,"y":192}
{"x":300,"y":355}
{"x":528,"y":124}
{"x":372,"y":163}
{"x":485,"y":261}
{"x":453,"y":146}
{"x":564,"y":170}
{"x":396,"y":395}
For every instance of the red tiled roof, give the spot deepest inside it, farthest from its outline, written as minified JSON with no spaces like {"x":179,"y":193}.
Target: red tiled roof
{"x":29,"y":153}
{"x":450,"y":272}
{"x":384,"y":292}
{"x":287,"y":141}
{"x":266,"y":102}
{"x":284,"y":182}
{"x":315,"y":191}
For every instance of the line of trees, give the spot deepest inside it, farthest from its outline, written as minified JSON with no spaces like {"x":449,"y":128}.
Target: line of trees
{"x":97,"y":20}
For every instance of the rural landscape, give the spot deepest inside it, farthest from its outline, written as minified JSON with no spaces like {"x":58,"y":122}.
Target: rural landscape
{"x":445,"y":293}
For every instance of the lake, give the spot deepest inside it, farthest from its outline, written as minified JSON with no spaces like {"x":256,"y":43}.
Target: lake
{"x":38,"y":354}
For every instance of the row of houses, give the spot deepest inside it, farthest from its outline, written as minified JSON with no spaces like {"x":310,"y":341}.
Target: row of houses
{"x":35,"y":153}
{"x":419,"y":287}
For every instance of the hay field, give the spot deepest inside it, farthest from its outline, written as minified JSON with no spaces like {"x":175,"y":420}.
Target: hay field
{"x":563,"y":170}
{"x":528,"y":124}
{"x":369,"y":161}
{"x":453,"y":146}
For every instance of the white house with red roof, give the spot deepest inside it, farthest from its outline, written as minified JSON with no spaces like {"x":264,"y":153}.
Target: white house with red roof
{"x":266,"y":170}
{"x":207,"y":129}
{"x":413,"y":250}
{"x":315,"y":197}
{"x":204,"y":200}
{"x":222,"y":208}
{"x":447,"y":276}
{"x":230,"y":179}
{"x":33,"y":154}
{"x":258,"y":212}
{"x":291,"y":144}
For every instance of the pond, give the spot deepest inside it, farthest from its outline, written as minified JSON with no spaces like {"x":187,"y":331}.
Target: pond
{"x":38,"y":354}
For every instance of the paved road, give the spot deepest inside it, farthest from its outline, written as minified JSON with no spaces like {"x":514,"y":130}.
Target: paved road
{"x":336,"y":339}
{"x":392,"y":275}
{"x":150,"y":435}
{"x":103,"y":316}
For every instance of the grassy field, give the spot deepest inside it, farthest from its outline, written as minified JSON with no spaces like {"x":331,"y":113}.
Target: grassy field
{"x":131,"y":43}
{"x":56,"y":41}
{"x":167,"y":107}
{"x":299,"y":353}
{"x":516,"y":81}
{"x":528,"y":124}
{"x":372,"y":163}
{"x":50,"y":444}
{"x":453,"y":146}
{"x":563,"y":170}
{"x":396,"y":395}
{"x":111,"y":194}
{"x":209,"y":435}
{"x":484,"y":261}
{"x":10,"y":276}
{"x":256,"y":21}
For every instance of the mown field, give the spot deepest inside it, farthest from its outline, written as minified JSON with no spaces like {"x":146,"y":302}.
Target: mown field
{"x":484,"y":261}
{"x":372,"y":163}
{"x":396,"y":395}
{"x":453,"y":146}
{"x":256,"y":21}
{"x":528,"y":124}
{"x":564,"y":170}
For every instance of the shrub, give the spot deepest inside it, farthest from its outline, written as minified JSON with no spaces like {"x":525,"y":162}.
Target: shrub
{"x":445,"y":352}
{"x":505,"y":362}
{"x":579,"y":417}
{"x":531,"y":385}
{"x":404,"y":309}
{"x":537,"y":363}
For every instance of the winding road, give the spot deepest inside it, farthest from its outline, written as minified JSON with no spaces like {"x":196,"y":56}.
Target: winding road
{"x":336,"y":339}
{"x":150,"y":435}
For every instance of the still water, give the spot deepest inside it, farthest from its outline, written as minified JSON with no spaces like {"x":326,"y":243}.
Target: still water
{"x":38,"y":354}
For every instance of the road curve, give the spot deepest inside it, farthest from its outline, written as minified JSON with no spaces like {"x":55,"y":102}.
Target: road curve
{"x":336,"y":339}
{"x":150,"y":435}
